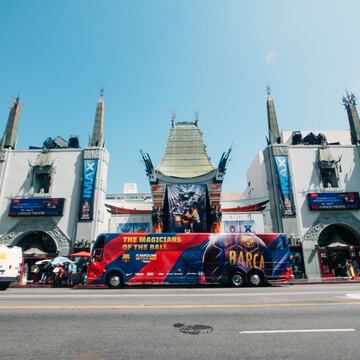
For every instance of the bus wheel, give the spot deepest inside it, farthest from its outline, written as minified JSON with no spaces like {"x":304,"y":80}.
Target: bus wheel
{"x":256,"y":278}
{"x":114,"y":281}
{"x":4,"y":285}
{"x":237,"y":279}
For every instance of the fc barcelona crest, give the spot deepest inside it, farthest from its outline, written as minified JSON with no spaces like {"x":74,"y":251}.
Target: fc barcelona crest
{"x":248,"y":241}
{"x":126,"y":258}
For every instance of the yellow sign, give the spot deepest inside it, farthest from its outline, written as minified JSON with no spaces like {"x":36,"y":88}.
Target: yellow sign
{"x":246,"y":259}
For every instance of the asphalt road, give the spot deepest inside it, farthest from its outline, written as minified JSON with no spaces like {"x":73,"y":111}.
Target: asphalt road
{"x":288,"y":322}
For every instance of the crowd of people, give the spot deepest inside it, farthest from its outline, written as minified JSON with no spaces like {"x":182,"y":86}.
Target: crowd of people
{"x":68,"y":273}
{"x":347,"y":268}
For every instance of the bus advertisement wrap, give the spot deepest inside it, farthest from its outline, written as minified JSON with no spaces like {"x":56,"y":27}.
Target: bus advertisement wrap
{"x":187,"y":208}
{"x":87,"y":190}
{"x":170,"y":258}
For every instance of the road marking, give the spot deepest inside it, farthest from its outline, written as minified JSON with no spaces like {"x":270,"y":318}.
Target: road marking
{"x":353,"y":296}
{"x":144,"y":295}
{"x":295,"y":331}
{"x":179,"y":306}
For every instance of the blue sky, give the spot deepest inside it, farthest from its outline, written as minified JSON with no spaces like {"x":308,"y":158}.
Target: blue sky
{"x":153,"y":57}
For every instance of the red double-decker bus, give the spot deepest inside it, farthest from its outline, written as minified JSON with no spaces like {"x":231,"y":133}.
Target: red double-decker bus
{"x":189,"y":258}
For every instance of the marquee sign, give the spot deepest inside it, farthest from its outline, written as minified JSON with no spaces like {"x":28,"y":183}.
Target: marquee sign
{"x":334,"y":201}
{"x":86,"y":209}
{"x":36,"y":207}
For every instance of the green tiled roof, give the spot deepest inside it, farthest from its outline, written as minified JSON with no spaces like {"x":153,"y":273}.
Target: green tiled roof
{"x":185,"y":152}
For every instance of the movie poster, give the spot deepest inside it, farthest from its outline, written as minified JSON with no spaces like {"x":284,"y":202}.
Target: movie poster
{"x":133,"y":228}
{"x":187,"y":208}
{"x":87,"y":190}
{"x":239,"y":226}
{"x":284,"y":183}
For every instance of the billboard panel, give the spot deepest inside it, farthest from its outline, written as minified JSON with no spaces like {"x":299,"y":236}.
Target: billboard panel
{"x":86,"y":209}
{"x":133,"y":227}
{"x":239,"y":226}
{"x":37,"y":207}
{"x":187,"y":208}
{"x":284,"y":184}
{"x":334,"y":201}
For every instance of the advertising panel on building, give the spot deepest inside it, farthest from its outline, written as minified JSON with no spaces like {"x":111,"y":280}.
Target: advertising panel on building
{"x":87,"y":190}
{"x":187,"y":208}
{"x":334,"y":201}
{"x":133,"y":228}
{"x":37,"y":207}
{"x":239,"y":226}
{"x":284,"y":183}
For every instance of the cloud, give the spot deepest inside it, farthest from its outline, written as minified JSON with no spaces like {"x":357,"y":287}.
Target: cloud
{"x":271,"y":57}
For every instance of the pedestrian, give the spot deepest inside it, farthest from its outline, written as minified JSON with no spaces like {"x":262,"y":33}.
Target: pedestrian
{"x":355,"y":265}
{"x":84,"y":272}
{"x":71,"y":274}
{"x":55,"y":274}
{"x":350,"y":270}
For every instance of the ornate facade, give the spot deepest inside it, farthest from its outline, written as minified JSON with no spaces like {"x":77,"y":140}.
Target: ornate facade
{"x":186,"y":187}
{"x":52,"y":196}
{"x":312,"y":181}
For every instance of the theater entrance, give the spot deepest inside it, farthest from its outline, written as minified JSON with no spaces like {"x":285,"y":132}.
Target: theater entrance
{"x":336,"y":245}
{"x":36,"y":245}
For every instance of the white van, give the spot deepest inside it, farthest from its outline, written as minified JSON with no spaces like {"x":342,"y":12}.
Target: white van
{"x":10,"y":265}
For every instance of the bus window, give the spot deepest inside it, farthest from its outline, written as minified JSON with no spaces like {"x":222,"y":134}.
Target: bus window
{"x":99,"y":244}
{"x":98,"y":253}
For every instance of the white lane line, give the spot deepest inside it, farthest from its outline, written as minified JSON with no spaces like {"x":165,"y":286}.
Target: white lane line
{"x":144,"y":295}
{"x":295,"y":331}
{"x":353,"y":296}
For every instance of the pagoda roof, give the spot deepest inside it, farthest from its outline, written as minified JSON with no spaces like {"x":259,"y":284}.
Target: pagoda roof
{"x":185,"y":152}
{"x":127,"y":208}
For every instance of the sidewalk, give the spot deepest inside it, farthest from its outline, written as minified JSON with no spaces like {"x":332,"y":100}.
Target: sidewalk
{"x":78,"y":286}
{"x":322,"y":281}
{"x":337,"y":280}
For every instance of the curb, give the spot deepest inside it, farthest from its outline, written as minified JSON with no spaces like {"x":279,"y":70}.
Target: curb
{"x":291,"y":282}
{"x":324,"y":281}
{"x":41,"y":286}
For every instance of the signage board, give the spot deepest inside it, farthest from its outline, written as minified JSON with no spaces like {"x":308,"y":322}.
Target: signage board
{"x":37,"y":207}
{"x":334,"y":201}
{"x":284,"y":184}
{"x":133,"y":228}
{"x":239,"y":226}
{"x":87,"y":189}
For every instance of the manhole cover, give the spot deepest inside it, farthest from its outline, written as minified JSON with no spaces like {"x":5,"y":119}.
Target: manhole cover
{"x":194,"y":329}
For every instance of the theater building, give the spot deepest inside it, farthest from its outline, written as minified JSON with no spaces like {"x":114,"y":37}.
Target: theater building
{"x":52,"y":197}
{"x":312,"y":179}
{"x":186,"y":192}
{"x":132,"y":212}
